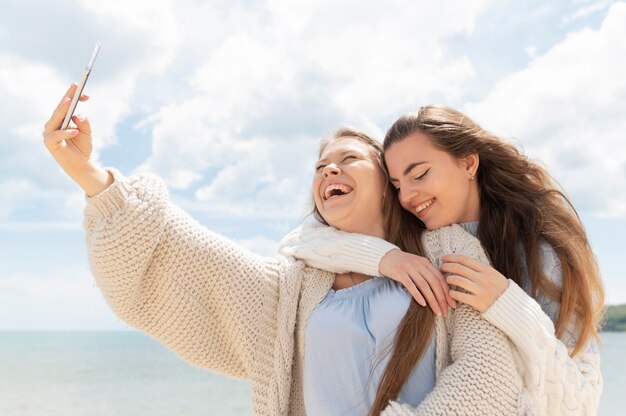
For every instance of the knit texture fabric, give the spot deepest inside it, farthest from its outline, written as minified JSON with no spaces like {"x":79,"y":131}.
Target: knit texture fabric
{"x":558,"y":383}
{"x":215,"y":304}
{"x":228,"y":310}
{"x":482,"y":358}
{"x":308,"y":241}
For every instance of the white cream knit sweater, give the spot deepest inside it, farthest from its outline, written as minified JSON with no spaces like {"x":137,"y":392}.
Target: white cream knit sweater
{"x":557,"y":383}
{"x":223,"y":308}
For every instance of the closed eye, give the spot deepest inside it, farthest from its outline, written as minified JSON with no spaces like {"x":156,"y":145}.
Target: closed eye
{"x":422,"y":175}
{"x":322,"y":166}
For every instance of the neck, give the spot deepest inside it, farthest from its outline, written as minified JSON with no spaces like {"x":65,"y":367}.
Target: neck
{"x":472,"y":210}
{"x":374,"y":230}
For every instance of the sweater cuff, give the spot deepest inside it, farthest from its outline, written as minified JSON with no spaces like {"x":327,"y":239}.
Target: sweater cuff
{"x":364,"y":254}
{"x":520,"y":317}
{"x":112,"y":198}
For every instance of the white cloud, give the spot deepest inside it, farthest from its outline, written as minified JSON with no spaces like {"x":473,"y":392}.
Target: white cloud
{"x":279,"y":75}
{"x":567,"y":109}
{"x":62,"y":299}
{"x":155,"y":20}
{"x":12,"y":190}
{"x":260,"y":245}
{"x":585,"y":11}
{"x":33,"y":88}
{"x":40,"y":226}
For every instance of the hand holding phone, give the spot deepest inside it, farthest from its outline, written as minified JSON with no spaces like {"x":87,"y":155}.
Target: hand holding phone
{"x":81,"y":86}
{"x":71,"y":147}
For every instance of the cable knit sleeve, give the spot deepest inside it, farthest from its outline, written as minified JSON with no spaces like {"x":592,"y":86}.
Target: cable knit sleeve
{"x":327,"y":248}
{"x":163,"y":273}
{"x":561,"y":384}
{"x":481,"y":378}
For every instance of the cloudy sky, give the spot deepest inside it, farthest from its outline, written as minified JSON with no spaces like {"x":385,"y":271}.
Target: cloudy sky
{"x":227,"y":100}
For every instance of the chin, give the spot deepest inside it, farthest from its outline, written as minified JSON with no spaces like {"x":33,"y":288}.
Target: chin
{"x":434,"y":225}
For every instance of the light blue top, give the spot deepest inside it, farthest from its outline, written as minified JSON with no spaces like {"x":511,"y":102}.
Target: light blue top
{"x":346,"y":335}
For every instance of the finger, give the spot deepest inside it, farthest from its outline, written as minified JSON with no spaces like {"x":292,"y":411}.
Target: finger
{"x":436,"y":287}
{"x":82,"y":123}
{"x":456,"y":268}
{"x":444,"y":284}
{"x":464,"y":260}
{"x":427,"y":293}
{"x":410,"y":286}
{"x":61,"y":108}
{"x":68,"y":94}
{"x":464,"y":297}
{"x":463,"y":283}
{"x":56,"y":137}
{"x":57,"y":117}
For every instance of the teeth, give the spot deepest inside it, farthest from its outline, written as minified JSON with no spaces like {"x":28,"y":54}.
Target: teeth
{"x":424,"y":206}
{"x":339,"y":186}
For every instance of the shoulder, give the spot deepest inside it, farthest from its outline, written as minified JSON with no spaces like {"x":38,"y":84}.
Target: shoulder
{"x":452,"y":239}
{"x":550,"y":263}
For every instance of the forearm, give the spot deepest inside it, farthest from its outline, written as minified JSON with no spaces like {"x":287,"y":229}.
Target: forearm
{"x":482,"y":378}
{"x":93,"y":179}
{"x":327,"y":248}
{"x":561,"y":383}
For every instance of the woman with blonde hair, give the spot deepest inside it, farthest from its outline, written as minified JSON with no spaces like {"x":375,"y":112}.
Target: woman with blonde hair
{"x":543,"y":290}
{"x":271,"y":320}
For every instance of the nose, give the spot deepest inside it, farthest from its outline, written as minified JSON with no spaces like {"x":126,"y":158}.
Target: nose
{"x":331,"y":170}
{"x":406,"y":195}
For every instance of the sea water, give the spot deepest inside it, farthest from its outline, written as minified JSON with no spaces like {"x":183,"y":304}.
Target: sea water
{"x":128,"y":373}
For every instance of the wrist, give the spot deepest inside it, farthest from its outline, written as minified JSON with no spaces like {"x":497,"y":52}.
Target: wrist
{"x":386,"y":260}
{"x":93,"y":179}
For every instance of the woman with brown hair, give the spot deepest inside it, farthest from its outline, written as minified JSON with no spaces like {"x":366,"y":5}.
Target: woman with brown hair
{"x":222,"y":308}
{"x":543,"y":290}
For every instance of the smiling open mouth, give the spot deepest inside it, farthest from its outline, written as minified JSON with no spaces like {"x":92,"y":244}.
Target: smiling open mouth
{"x":423,"y":206}
{"x":336,"y":189}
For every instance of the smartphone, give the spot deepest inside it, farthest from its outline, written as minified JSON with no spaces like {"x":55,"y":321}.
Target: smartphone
{"x":81,"y":86}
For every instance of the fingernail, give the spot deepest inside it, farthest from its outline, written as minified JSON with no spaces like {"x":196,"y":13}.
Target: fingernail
{"x":73,"y":132}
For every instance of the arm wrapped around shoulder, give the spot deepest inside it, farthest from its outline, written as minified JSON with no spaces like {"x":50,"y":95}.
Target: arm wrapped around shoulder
{"x":327,"y":248}
{"x":479,"y":375}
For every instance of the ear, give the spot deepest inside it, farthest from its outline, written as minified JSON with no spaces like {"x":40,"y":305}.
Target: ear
{"x":470,"y":164}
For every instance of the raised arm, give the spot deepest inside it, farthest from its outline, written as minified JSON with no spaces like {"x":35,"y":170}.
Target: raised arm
{"x":562,"y":384}
{"x":162,"y":272}
{"x":165,"y":274}
{"x":482,"y":377}
{"x":328,"y":248}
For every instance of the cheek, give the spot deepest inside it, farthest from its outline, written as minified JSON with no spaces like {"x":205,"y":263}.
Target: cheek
{"x":315,"y":190}
{"x":455,"y":192}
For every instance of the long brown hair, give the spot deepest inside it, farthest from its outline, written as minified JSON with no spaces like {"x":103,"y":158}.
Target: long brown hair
{"x":416,"y":328}
{"x":519,"y":203}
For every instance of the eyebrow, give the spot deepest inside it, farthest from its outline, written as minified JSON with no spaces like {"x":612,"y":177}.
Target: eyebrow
{"x":340,"y":154}
{"x":409,"y":169}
